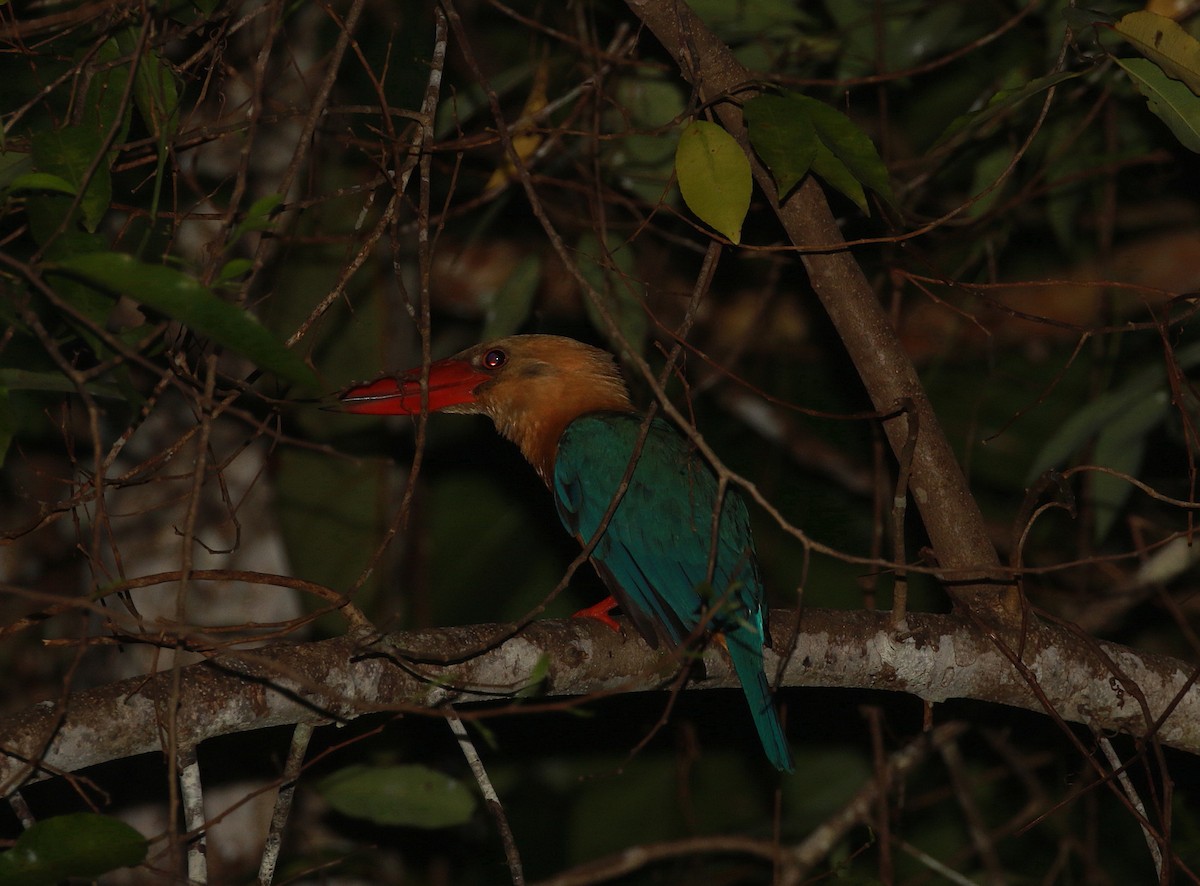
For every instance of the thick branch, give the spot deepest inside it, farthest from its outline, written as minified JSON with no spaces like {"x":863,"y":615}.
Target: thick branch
{"x":1089,"y":682}
{"x":948,"y":510}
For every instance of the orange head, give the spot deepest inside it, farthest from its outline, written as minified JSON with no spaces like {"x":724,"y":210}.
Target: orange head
{"x":532,"y":387}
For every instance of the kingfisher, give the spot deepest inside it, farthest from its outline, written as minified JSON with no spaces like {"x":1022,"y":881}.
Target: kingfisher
{"x":567,"y":407}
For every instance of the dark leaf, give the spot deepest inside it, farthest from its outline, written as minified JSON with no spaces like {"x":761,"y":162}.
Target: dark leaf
{"x":80,"y":845}
{"x":413,"y":796}
{"x":182,"y":298}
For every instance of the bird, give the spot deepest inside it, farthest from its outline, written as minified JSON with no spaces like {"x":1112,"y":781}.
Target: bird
{"x":567,"y":408}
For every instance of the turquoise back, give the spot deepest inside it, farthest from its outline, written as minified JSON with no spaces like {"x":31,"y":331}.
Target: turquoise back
{"x":655,"y":553}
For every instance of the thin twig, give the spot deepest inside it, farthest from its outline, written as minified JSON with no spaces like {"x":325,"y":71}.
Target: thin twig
{"x":178,"y":752}
{"x":934,"y":865}
{"x":1131,"y":792}
{"x":898,"y":511}
{"x":800,"y":859}
{"x":976,"y":826}
{"x":305,"y":141}
{"x":20,"y":808}
{"x":495,"y":807}
{"x":422,"y":137}
{"x":883,"y":816}
{"x":637,"y":857}
{"x":191,"y":790}
{"x":301,"y":736}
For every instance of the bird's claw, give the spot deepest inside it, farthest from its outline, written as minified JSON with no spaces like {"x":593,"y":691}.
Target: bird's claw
{"x":601,"y":612}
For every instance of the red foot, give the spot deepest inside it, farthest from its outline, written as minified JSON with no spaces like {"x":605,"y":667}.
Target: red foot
{"x":601,"y":613}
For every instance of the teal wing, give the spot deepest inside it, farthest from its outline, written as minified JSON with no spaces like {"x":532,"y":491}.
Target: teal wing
{"x":654,"y":554}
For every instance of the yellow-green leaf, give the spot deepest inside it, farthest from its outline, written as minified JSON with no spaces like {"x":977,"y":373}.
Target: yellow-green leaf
{"x":1165,"y":43}
{"x":714,"y":177}
{"x":1170,"y":100}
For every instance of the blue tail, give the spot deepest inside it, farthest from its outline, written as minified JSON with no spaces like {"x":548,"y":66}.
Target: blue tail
{"x":745,"y":650}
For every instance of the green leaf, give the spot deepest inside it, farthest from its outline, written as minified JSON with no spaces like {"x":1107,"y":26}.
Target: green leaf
{"x":750,"y":19}
{"x":13,"y":164}
{"x":413,"y":796}
{"x":511,"y":305}
{"x":784,"y":137}
{"x":67,"y":153}
{"x":233,"y":269}
{"x":610,"y":273}
{"x":46,"y":211}
{"x":51,"y":382}
{"x":641,"y":152}
{"x":1070,"y":155}
{"x":1080,"y":427}
{"x":988,"y":169}
{"x":1002,"y":102}
{"x":1106,"y":410}
{"x":258,"y":216}
{"x":841,"y":153}
{"x":714,"y":177}
{"x":104,"y":108}
{"x":1171,"y":101}
{"x":41,"y":181}
{"x":649,"y":100}
{"x":1121,"y":446}
{"x":850,"y":145}
{"x":183,"y":298}
{"x":1084,"y":18}
{"x":81,"y":845}
{"x":1165,"y":43}
{"x":154,"y":89}
{"x":157,"y":96}
{"x":924,"y":35}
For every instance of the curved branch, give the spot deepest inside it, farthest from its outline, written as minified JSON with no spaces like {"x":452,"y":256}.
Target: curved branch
{"x":1101,"y":685}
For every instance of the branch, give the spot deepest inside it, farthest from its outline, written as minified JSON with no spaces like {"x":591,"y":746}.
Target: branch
{"x":948,"y":510}
{"x":1098,"y":684}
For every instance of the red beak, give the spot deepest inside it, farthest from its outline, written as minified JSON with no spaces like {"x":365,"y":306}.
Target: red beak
{"x":451,"y":382}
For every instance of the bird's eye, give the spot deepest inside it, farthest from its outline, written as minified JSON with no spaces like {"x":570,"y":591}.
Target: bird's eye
{"x":494,"y":359}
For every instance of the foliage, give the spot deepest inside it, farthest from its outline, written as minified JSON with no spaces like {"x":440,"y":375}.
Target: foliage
{"x":714,"y":177}
{"x":800,"y":134}
{"x":413,"y":796}
{"x":214,"y":215}
{"x":78,"y":845}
